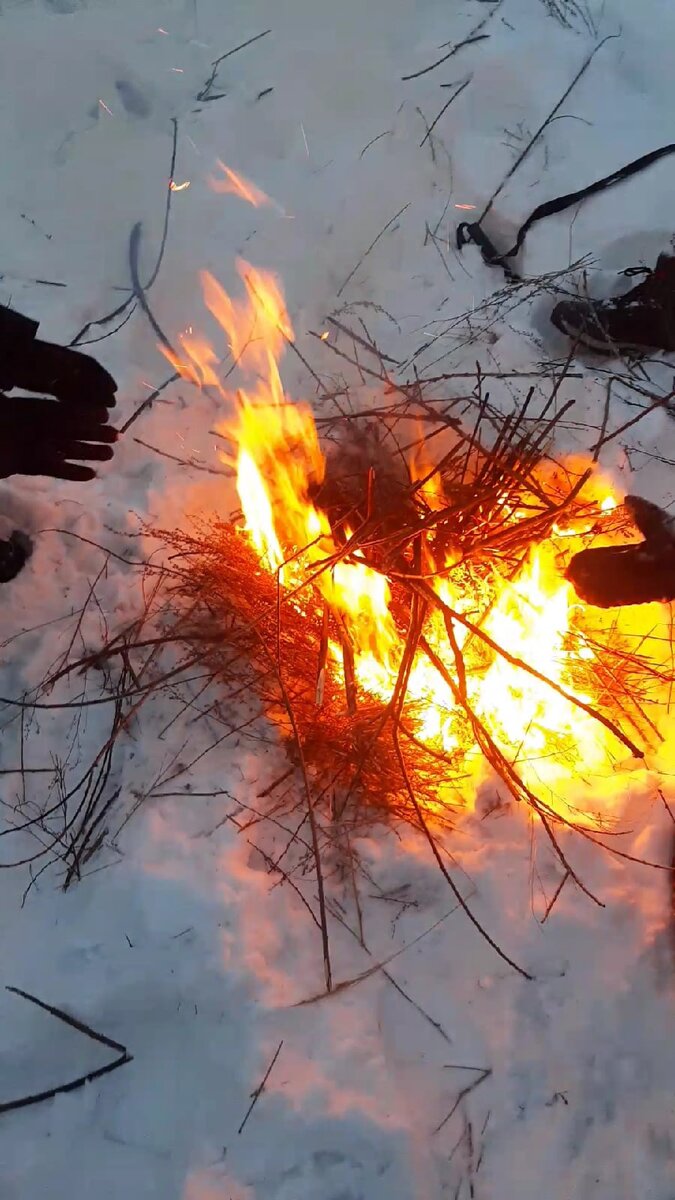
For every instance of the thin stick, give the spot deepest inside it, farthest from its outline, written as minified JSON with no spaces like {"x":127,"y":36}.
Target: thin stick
{"x":167,"y":207}
{"x":328,"y":971}
{"x":443,"y":869}
{"x":372,"y":244}
{"x":148,"y":401}
{"x":259,"y":1090}
{"x":185,"y":462}
{"x":519,"y":662}
{"x":605,"y":418}
{"x":349,"y":674}
{"x":485,"y":1073}
{"x":394,"y":983}
{"x":378,"y":966}
{"x":204,"y":93}
{"x":558,"y":890}
{"x":162,"y":247}
{"x":474,"y":35}
{"x":139,"y":293}
{"x":609,"y":437}
{"x":444,"y":109}
{"x":323,"y":656}
{"x":535,"y":138}
{"x":38,"y":1097}
{"x":671,"y":881}
{"x":372,"y":349}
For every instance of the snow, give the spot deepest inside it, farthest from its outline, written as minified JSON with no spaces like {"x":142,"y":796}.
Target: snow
{"x":177,"y":943}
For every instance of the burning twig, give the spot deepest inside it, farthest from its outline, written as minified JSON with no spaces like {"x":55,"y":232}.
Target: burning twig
{"x":323,"y":657}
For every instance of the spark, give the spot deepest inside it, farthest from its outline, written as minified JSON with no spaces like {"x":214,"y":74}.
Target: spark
{"x":325,"y":335}
{"x":160,"y":30}
{"x":178,"y":70}
{"x":178,"y":187}
{"x":304,"y":138}
{"x":237,"y":185}
{"x":465,"y":207}
{"x":105,"y":106}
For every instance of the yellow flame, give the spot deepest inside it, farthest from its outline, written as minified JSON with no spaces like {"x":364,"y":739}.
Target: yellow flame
{"x":548,"y":740}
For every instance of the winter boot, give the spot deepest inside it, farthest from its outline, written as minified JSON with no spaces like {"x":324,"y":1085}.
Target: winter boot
{"x":641,"y":320}
{"x":14,"y":554}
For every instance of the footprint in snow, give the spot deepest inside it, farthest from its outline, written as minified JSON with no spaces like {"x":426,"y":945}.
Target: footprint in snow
{"x":133,"y":101}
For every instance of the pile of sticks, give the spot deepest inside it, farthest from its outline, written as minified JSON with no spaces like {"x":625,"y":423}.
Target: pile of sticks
{"x":502,"y":495}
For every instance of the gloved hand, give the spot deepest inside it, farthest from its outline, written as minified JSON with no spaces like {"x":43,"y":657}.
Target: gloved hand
{"x":59,"y":371}
{"x":40,"y":436}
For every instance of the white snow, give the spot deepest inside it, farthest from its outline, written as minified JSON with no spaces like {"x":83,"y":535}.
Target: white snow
{"x":177,"y":943}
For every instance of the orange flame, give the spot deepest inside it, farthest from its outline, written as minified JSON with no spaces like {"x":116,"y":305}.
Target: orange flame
{"x":558,"y":750}
{"x":236,"y":185}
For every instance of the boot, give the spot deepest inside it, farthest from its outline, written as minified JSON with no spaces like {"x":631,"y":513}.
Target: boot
{"x":643,"y":319}
{"x":14,"y":554}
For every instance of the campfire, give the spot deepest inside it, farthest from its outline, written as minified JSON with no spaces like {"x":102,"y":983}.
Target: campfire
{"x":407,"y":613}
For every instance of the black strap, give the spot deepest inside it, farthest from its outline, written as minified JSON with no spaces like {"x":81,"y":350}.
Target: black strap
{"x":474,"y":233}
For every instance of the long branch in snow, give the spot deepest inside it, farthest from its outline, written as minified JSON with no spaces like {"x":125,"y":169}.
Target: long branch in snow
{"x":72,"y":1084}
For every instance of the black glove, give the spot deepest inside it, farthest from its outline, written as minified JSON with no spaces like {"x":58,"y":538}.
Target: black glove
{"x":40,"y":436}
{"x":26,"y":362}
{"x":37,"y":435}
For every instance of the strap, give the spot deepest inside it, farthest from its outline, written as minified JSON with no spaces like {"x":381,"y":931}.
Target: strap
{"x":474,"y":233}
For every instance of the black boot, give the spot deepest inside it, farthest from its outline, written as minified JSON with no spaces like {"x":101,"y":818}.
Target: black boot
{"x":14,"y":554}
{"x":643,"y":319}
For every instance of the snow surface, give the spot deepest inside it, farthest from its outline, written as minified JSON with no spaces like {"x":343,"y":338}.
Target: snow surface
{"x":177,"y":943}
